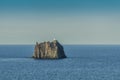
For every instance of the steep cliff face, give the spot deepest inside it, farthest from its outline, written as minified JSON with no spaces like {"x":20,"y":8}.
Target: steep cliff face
{"x":50,"y":50}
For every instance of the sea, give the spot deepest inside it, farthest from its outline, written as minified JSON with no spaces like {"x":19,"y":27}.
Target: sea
{"x":83,"y":62}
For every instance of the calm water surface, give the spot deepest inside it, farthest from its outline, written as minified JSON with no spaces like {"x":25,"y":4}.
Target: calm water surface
{"x":84,"y":62}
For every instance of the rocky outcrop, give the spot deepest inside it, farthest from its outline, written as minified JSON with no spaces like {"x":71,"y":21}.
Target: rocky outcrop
{"x":49,"y":50}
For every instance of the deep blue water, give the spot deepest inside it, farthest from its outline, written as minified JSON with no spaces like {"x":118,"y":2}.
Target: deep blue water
{"x":83,"y":62}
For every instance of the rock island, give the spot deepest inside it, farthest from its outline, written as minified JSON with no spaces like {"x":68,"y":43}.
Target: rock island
{"x":49,"y":50}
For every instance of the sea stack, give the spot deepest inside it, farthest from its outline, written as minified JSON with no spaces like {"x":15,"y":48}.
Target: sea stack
{"x":49,"y":50}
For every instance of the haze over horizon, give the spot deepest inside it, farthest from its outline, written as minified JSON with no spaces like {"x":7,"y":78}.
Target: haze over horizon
{"x":69,"y":21}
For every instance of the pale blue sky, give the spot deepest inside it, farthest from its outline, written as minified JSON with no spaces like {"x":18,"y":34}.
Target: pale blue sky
{"x":69,"y":21}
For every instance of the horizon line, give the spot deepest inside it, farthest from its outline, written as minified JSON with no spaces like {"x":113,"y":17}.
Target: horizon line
{"x":63,"y":44}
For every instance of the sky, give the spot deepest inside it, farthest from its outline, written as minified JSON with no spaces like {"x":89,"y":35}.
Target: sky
{"x":69,"y":21}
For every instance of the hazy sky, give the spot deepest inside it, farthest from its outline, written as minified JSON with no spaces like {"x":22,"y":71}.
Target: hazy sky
{"x":69,"y":21}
